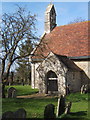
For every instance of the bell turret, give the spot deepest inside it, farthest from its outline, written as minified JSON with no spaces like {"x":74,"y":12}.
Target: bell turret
{"x":50,"y":18}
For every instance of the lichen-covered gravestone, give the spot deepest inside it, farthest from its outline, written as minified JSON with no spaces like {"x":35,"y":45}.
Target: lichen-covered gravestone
{"x":11,"y":92}
{"x":61,"y":105}
{"x":7,"y":115}
{"x":68,"y":107}
{"x":20,"y":113}
{"x":84,"y":89}
{"x":49,"y":112}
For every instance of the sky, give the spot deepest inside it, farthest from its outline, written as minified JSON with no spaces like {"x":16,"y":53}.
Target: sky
{"x":66,"y":11}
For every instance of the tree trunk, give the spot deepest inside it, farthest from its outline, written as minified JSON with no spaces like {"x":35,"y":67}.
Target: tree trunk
{"x":5,"y":80}
{"x":3,"y":68}
{"x":8,"y":70}
{"x":2,"y":78}
{"x":3,"y":90}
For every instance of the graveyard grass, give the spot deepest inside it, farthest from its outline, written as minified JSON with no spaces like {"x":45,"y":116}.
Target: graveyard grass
{"x":35,"y":106}
{"x":22,"y":90}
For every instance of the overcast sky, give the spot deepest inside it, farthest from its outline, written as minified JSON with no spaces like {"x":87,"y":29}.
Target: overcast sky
{"x":66,"y":11}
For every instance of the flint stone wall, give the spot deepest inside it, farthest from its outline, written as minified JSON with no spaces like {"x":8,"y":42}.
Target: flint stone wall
{"x":65,"y":76}
{"x":74,"y":81}
{"x":52,"y":64}
{"x":62,"y":72}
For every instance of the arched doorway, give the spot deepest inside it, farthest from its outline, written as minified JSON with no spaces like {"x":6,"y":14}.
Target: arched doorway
{"x":52,"y":82}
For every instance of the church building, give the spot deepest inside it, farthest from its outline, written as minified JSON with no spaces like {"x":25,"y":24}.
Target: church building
{"x":60,"y":62}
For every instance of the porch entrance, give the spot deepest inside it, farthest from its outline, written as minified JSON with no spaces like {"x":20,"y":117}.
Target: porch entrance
{"x":52,"y":81}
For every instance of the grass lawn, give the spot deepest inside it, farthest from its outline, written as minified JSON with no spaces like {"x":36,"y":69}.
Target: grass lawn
{"x":79,"y":109}
{"x":22,"y":90}
{"x":35,"y":106}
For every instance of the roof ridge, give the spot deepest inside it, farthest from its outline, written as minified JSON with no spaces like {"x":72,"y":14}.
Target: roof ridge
{"x":73,"y":23}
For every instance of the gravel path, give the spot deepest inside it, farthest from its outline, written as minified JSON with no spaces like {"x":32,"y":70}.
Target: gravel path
{"x":38,"y":95}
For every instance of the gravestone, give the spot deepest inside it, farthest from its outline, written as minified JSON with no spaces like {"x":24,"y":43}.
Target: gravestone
{"x":68,"y":107}
{"x":84,"y":89}
{"x":61,"y":105}
{"x":20,"y":113}
{"x":49,"y":112}
{"x":11,"y":92}
{"x":14,"y":94}
{"x":7,"y":114}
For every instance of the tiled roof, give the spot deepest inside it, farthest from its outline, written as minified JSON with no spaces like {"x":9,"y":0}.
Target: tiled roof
{"x":69,"y":40}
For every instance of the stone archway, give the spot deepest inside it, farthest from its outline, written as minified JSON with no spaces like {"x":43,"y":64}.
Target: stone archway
{"x":52,"y":82}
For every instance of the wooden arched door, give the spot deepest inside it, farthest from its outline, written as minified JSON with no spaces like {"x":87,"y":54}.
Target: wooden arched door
{"x":52,"y":81}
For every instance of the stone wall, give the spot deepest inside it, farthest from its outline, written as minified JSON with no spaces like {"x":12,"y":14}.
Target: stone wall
{"x":52,"y":64}
{"x":50,"y":18}
{"x":85,"y":75}
{"x":34,"y":75}
{"x":74,"y":80}
{"x":65,"y":76}
{"x":84,"y":65}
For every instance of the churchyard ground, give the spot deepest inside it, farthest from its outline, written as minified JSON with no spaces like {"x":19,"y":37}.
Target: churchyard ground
{"x":35,"y":106}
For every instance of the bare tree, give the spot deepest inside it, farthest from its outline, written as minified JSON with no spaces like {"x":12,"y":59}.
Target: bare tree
{"x":16,"y":28}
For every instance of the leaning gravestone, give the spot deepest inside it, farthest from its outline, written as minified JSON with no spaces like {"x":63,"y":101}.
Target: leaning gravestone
{"x":7,"y":114}
{"x":20,"y":113}
{"x":86,"y":89}
{"x":82,"y":89}
{"x":11,"y":92}
{"x":68,"y":107}
{"x":61,"y":106}
{"x":49,"y":112}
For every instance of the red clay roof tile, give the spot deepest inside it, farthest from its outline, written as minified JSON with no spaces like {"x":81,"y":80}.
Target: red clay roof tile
{"x":69,"y":40}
